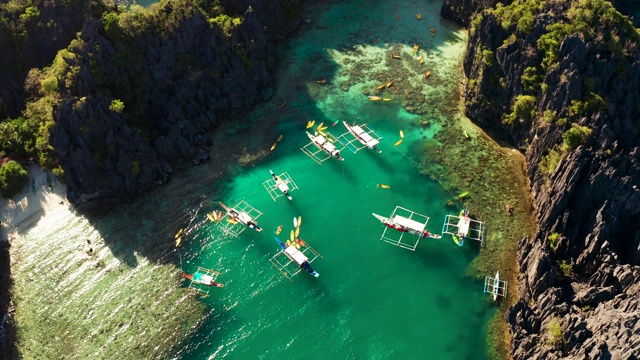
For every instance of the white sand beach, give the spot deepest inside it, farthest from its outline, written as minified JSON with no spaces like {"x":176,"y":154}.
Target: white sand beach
{"x":42,"y":195}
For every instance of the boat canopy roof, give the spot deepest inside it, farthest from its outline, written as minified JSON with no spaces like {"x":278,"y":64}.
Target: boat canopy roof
{"x":283,"y":186}
{"x":202,"y":278}
{"x":295,"y":255}
{"x":408,"y":223}
{"x":244,"y":217}
{"x":463,"y":225}
{"x":368,"y":139}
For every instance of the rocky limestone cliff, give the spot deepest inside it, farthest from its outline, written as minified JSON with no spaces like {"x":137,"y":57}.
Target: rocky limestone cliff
{"x":32,"y":41}
{"x":177,"y":78}
{"x":586,"y":280}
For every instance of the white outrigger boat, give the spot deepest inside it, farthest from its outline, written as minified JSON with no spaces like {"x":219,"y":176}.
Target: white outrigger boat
{"x":326,"y":145}
{"x":463,"y":227}
{"x":293,"y":257}
{"x":495,"y":286}
{"x":202,"y":280}
{"x":280,"y":185}
{"x":363,"y":134}
{"x":240,"y":217}
{"x":409,"y":222}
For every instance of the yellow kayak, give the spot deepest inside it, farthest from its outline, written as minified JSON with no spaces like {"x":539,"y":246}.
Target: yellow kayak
{"x":178,"y":241}
{"x":394,"y":56}
{"x":374,"y":98}
{"x":402,"y":134}
{"x":273,"y":146}
{"x":389,"y":83}
{"x":427,"y":74}
{"x":383,"y":186}
{"x":386,"y":99}
{"x":211,"y":217}
{"x":279,"y":138}
{"x":419,"y":16}
{"x":279,"y":230}
{"x":299,"y":220}
{"x":179,"y":233}
{"x":310,"y":124}
{"x":398,"y":142}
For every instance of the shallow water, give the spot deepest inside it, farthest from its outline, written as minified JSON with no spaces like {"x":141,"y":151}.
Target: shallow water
{"x":372,"y":299}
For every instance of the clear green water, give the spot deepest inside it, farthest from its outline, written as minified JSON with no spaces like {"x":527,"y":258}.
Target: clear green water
{"x":372,"y":300}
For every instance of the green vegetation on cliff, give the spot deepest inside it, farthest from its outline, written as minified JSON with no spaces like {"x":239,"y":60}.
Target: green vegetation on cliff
{"x":118,"y":68}
{"x":13,"y":177}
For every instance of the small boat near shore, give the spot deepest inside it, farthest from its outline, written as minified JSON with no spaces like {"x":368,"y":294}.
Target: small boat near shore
{"x":242,"y":217}
{"x":202,"y":280}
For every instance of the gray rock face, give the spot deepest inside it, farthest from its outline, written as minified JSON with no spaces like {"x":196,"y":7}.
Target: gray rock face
{"x":176,"y":85}
{"x":588,"y":282}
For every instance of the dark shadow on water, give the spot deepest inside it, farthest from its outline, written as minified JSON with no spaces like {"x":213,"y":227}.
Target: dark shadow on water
{"x":146,"y":226}
{"x":8,"y":347}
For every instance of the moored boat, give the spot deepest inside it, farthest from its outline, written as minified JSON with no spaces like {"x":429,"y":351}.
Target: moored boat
{"x":407,"y":225}
{"x":363,"y":137}
{"x":320,"y":141}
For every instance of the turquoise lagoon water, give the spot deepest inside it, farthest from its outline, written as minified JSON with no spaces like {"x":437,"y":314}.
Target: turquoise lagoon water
{"x":115,"y":297}
{"x":372,"y":300}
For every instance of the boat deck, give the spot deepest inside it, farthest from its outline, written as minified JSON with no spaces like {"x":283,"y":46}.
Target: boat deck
{"x":288,"y":261}
{"x":409,"y":219}
{"x":465,"y":227}
{"x":276,"y":189}
{"x":495,"y":286}
{"x":317,"y":149}
{"x":246,"y":213}
{"x":201,"y":281}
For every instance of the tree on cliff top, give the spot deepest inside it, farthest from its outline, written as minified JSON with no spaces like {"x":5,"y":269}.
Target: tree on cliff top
{"x":13,"y":178}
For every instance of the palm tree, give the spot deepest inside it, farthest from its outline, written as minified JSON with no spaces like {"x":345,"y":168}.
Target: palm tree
{"x":10,"y":139}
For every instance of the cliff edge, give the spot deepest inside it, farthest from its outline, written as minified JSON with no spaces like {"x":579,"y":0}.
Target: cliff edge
{"x":561,"y":82}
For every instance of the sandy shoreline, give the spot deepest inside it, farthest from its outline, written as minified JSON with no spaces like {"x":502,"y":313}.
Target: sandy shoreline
{"x":43,"y":195}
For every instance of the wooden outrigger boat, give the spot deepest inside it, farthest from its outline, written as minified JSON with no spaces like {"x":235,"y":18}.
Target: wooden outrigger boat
{"x":403,"y":224}
{"x":463,"y":227}
{"x":293,"y":257}
{"x":364,"y":134}
{"x":495,"y":286}
{"x":280,"y":185}
{"x":240,"y":217}
{"x":406,"y":222}
{"x":202,"y":280}
{"x":327,"y":147}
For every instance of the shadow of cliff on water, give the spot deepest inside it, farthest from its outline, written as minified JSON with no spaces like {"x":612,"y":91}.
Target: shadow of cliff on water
{"x":8,"y":349}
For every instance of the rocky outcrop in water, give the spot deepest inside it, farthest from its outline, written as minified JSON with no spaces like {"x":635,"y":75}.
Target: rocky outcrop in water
{"x":578,"y":281}
{"x":177,"y":72}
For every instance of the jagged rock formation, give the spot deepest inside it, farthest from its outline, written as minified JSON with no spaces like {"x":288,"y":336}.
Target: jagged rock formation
{"x":177,"y":77}
{"x":32,"y":41}
{"x":586,"y":278}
